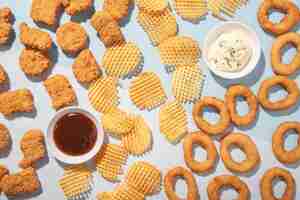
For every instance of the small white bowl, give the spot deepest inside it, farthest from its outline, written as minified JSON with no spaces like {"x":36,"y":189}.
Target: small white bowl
{"x":68,"y":159}
{"x":227,"y":27}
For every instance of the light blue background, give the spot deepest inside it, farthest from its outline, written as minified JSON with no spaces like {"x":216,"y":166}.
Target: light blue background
{"x":163,"y":155}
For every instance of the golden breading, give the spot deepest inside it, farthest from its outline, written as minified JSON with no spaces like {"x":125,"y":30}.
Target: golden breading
{"x":108,"y":29}
{"x":144,"y":178}
{"x":6,"y":31}
{"x":191,"y":10}
{"x":74,"y":7}
{"x":124,"y":192}
{"x":118,"y":9}
{"x":33,"y":147}
{"x":122,"y":61}
{"x":21,"y":183}
{"x":173,"y":121}
{"x":34,"y":62}
{"x":3,"y":172}
{"x":60,"y":91}
{"x":71,"y":37}
{"x":152,"y":6}
{"x":35,"y":38}
{"x":85,"y":67}
{"x":6,"y":15}
{"x":109,"y":161}
{"x":3,"y":75}
{"x":146,"y":91}
{"x":46,"y":12}
{"x":159,"y":27}
{"x":187,"y":84}
{"x":20,"y":100}
{"x":103,"y":94}
{"x":139,"y":140}
{"x":5,"y":139}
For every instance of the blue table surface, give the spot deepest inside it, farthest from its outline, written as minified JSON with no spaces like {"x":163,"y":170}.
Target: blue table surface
{"x":163,"y":155}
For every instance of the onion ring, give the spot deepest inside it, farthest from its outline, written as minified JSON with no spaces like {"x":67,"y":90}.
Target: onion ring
{"x":276,"y":57}
{"x":169,"y":183}
{"x":219,"y":182}
{"x":290,"y":20}
{"x":289,"y":85}
{"x":230,"y":99}
{"x":245,"y":143}
{"x":266,"y":184}
{"x":284,"y":156}
{"x":202,"y":124}
{"x":199,"y":138}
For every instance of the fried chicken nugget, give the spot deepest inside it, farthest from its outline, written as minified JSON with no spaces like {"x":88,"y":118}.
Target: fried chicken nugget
{"x":5,"y":139}
{"x":3,"y":171}
{"x":3,"y":75}
{"x":21,"y":183}
{"x":118,"y":9}
{"x":6,"y":31}
{"x":60,"y":90}
{"x":73,"y":7}
{"x":35,"y":38}
{"x":33,"y":148}
{"x":6,"y":15}
{"x":20,"y":100}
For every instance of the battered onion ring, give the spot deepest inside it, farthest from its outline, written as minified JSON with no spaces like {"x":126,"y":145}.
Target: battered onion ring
{"x":245,"y":143}
{"x":266,"y":184}
{"x":276,"y":57}
{"x":202,"y":124}
{"x":289,"y":85}
{"x":230,"y":99}
{"x":205,"y":142}
{"x":214,"y":187}
{"x":171,"y":177}
{"x":287,"y":157}
{"x":290,"y":20}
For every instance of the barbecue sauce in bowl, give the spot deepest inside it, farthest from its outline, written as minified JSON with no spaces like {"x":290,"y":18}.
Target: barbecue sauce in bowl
{"x":75,"y":134}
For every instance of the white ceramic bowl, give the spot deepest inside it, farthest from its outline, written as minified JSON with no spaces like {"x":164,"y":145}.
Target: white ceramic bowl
{"x":227,"y":27}
{"x":74,"y":159}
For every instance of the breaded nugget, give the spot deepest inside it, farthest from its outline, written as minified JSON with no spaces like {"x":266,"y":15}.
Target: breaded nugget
{"x":60,"y":91}
{"x":34,"y":62}
{"x":3,"y":75}
{"x":6,"y":15}
{"x":33,"y":147}
{"x":45,"y":11}
{"x":20,"y":100}
{"x":85,"y":67}
{"x":6,"y":31}
{"x":3,"y":171}
{"x":71,"y":37}
{"x":5,"y":139}
{"x":73,"y":7}
{"x":108,"y":29}
{"x":35,"y":38}
{"x":21,"y":183}
{"x":118,"y":9}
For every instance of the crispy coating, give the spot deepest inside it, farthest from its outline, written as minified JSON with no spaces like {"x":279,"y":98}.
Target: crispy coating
{"x":60,"y":91}
{"x":71,"y":37}
{"x":85,"y":67}
{"x":45,"y":11}
{"x":35,"y":38}
{"x":3,"y":75}
{"x":21,"y":183}
{"x":118,"y":9}
{"x":73,"y":7}
{"x":3,"y":171}
{"x":20,"y":100}
{"x":6,"y":31}
{"x":33,"y":148}
{"x":5,"y":139}
{"x":34,"y":62}
{"x":6,"y":15}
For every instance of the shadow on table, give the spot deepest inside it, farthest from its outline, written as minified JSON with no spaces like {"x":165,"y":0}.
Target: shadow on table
{"x":27,"y":196}
{"x":10,"y":42}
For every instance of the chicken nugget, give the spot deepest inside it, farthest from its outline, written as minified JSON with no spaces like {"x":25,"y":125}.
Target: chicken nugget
{"x":3,"y":75}
{"x":73,"y":7}
{"x":20,"y":100}
{"x":46,"y":12}
{"x":6,"y":31}
{"x":85,"y":67}
{"x":6,"y":15}
{"x":21,"y":183}
{"x":3,"y":171}
{"x":35,"y":38}
{"x":5,"y":139}
{"x":60,"y":91}
{"x":118,"y":9}
{"x":33,"y":148}
{"x":34,"y":62}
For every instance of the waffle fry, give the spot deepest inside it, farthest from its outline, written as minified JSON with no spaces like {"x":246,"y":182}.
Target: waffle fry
{"x":104,"y":196}
{"x":103,"y":94}
{"x":109,"y":161}
{"x":123,"y":192}
{"x":75,"y":181}
{"x":144,"y":178}
{"x":117,"y":122}
{"x":191,"y":10}
{"x":226,"y":7}
{"x":158,"y":27}
{"x":173,"y":121}
{"x":179,"y":51}
{"x":187,"y":84}
{"x":152,"y":6}
{"x":122,"y":61}
{"x":146,"y":91}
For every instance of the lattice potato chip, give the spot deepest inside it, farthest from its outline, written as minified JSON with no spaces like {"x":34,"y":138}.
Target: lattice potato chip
{"x":123,"y":192}
{"x":191,"y":10}
{"x":152,"y":6}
